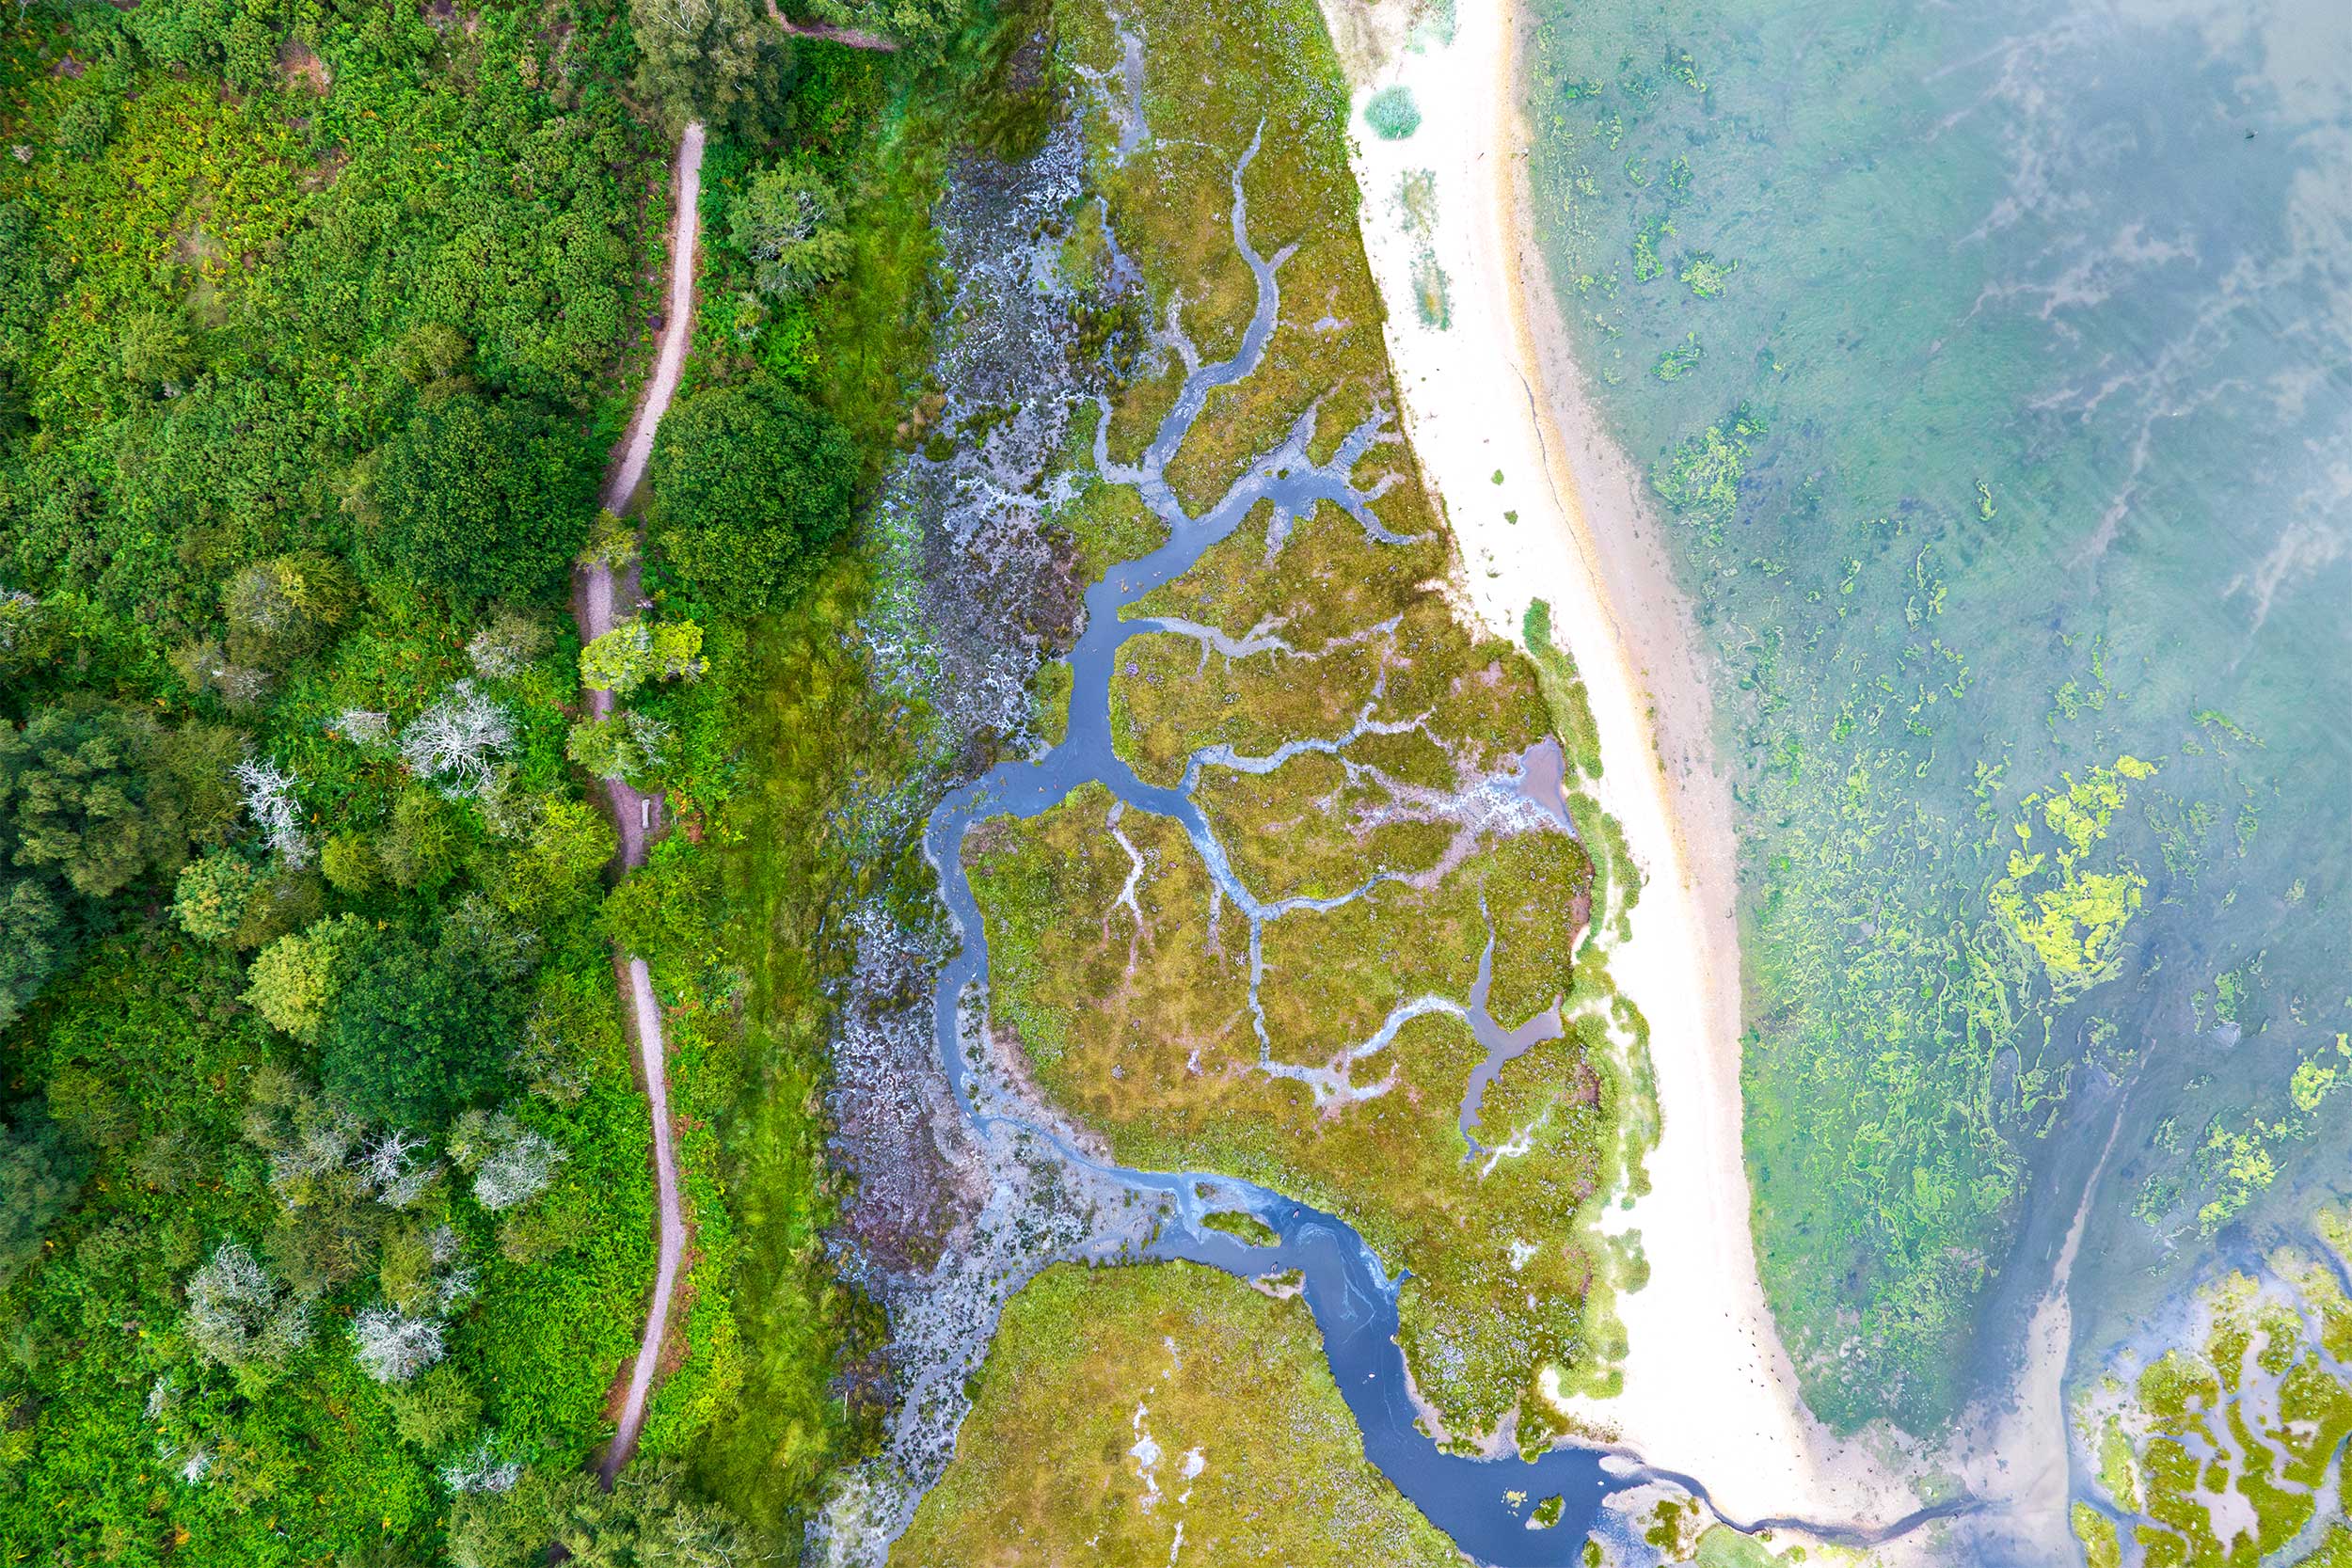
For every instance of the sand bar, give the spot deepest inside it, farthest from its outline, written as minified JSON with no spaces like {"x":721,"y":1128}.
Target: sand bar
{"x":1499,"y":416}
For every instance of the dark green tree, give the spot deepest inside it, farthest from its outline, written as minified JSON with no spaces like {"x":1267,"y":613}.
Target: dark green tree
{"x":40,"y":1174}
{"x":480,"y":499}
{"x":86,"y":809}
{"x":414,"y":1032}
{"x":720,"y":61}
{"x":649,"y":1520}
{"x":750,"y":483}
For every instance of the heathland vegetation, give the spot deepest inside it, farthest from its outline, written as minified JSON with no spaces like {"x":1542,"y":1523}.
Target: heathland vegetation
{"x":1129,"y":1415}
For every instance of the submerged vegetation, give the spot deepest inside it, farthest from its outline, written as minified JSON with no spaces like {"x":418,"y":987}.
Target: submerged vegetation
{"x":2005,"y":734}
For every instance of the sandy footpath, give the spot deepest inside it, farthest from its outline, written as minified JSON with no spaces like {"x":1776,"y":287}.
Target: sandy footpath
{"x":1708,"y":1389}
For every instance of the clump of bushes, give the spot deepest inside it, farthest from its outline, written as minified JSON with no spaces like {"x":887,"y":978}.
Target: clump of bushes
{"x":750,"y":483}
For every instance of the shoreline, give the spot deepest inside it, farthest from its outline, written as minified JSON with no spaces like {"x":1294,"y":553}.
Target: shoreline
{"x":1544,"y":506}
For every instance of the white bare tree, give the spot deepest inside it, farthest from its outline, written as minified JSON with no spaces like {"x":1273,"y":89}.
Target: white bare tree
{"x":510,"y":1163}
{"x":482,"y":1469}
{"x":237,"y":1314}
{"x":269,"y":799}
{"x":20,"y":619}
{"x":390,"y":1166}
{"x":516,"y":1173}
{"x":458,"y":739}
{"x":393,"y":1347}
{"x":458,"y":1287}
{"x":362,"y":725}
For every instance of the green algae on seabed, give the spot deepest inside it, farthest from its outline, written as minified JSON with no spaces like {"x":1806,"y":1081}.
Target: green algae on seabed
{"x":2077,"y":919}
{"x":1705,"y":276}
{"x":1701,"y":479}
{"x":1680,"y":360}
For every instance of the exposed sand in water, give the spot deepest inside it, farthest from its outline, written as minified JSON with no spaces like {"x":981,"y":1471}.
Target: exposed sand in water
{"x":1709,"y":1387}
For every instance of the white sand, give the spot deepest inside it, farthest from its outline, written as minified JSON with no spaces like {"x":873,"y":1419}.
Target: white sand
{"x":1708,"y":1389}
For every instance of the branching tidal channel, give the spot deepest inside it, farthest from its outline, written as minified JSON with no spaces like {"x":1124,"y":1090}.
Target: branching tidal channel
{"x":1097,"y":1210}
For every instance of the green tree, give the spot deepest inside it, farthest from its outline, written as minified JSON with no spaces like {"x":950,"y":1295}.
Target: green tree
{"x":349,"y":862}
{"x":158,"y":351}
{"x":628,"y":746}
{"x":915,"y":21}
{"x":750,"y":483}
{"x":293,"y":980}
{"x":480,"y":499}
{"x":84,"y":804}
{"x":40,"y":1174}
{"x":435,"y":1408}
{"x":637,"y":651}
{"x":512,"y":1528}
{"x":720,"y":61}
{"x":285,"y":899}
{"x":787,"y":223}
{"x":86,"y":809}
{"x":283,"y":607}
{"x":651,"y":1519}
{"x":557,"y":868}
{"x":28,"y":633}
{"x":419,"y":848}
{"x":212,"y":894}
{"x":415,"y":1032}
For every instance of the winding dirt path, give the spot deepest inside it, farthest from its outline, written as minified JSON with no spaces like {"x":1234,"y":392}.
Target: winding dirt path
{"x":853,"y":37}
{"x":637,"y":815}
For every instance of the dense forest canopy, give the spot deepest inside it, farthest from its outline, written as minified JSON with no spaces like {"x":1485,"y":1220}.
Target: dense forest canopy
{"x":326,"y":1221}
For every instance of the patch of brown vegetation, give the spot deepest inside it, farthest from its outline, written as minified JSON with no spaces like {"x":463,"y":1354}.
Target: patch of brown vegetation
{"x":298,"y":64}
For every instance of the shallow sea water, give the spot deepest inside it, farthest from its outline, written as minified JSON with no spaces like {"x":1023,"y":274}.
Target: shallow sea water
{"x":2023,"y":334}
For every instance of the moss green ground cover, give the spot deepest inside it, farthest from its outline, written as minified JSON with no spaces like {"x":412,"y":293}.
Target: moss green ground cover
{"x":1121,"y":970}
{"x":1135,"y":1416}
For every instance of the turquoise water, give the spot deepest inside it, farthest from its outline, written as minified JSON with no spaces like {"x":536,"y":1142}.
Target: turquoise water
{"x":1993,"y":364}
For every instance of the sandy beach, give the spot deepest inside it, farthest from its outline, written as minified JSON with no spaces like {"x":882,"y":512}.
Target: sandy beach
{"x":1543,"y":506}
